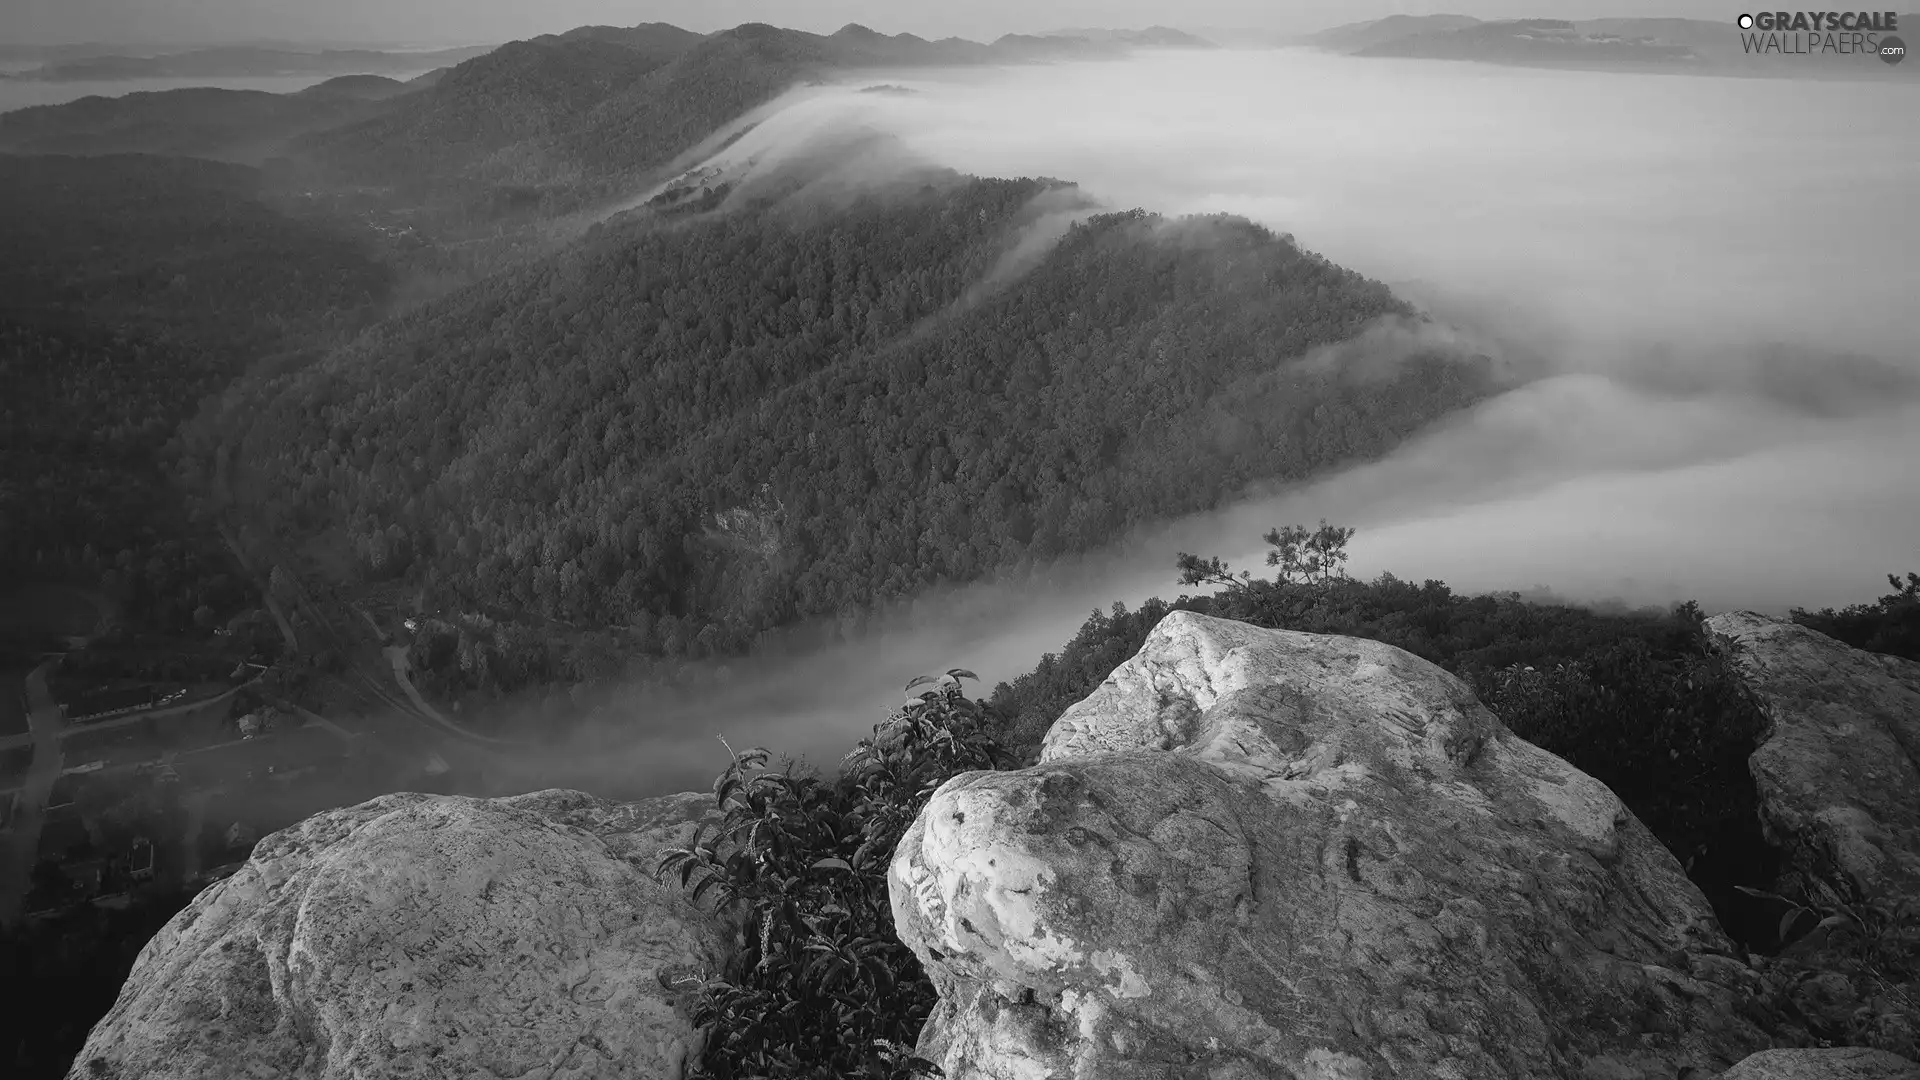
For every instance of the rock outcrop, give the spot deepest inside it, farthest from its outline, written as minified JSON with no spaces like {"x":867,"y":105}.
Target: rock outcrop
{"x":426,"y":936}
{"x":1838,"y":772}
{"x":1254,"y":853}
{"x":1840,"y":1063}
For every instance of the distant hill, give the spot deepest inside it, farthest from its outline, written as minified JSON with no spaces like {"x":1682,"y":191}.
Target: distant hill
{"x":195,"y":252}
{"x":248,"y":61}
{"x":357,"y":88}
{"x":244,"y":126}
{"x":658,"y":38}
{"x":1360,"y":35}
{"x":544,"y":125}
{"x":1153,"y":37}
{"x":44,"y":54}
{"x":1529,"y":41}
{"x":1247,"y":37}
{"x":1055,"y":47}
{"x":559,"y":121}
{"x":1689,"y":32}
{"x":469,"y":122}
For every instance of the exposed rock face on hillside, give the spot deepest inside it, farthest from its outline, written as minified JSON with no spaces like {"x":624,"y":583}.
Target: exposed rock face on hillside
{"x":1838,"y":774}
{"x":426,"y":936}
{"x":1254,"y":853}
{"x":1840,"y":1063}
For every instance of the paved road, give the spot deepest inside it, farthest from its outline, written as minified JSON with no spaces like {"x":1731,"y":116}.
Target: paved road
{"x":402,"y":668}
{"x":142,"y":714}
{"x":23,"y":840}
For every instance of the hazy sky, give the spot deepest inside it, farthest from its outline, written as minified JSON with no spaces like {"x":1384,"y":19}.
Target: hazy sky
{"x":476,"y":21}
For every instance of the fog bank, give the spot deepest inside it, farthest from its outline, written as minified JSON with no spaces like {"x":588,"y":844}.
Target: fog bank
{"x":1713,"y":270}
{"x":1714,"y":275}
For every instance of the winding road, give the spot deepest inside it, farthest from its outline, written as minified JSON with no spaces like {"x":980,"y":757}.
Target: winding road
{"x":375,"y":679}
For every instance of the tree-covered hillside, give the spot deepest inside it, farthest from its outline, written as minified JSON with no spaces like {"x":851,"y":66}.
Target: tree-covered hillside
{"x":187,"y":250}
{"x":706,"y":429}
{"x":243,"y":126}
{"x":134,"y":287}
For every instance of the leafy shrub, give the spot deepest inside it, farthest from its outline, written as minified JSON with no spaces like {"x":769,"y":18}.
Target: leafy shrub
{"x":1668,"y":730}
{"x":823,"y":989}
{"x":1874,"y":944}
{"x":1884,"y":936}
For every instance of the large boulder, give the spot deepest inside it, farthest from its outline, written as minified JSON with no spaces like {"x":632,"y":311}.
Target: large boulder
{"x":1838,"y":771}
{"x":1254,"y":853}
{"x":427,"y":936}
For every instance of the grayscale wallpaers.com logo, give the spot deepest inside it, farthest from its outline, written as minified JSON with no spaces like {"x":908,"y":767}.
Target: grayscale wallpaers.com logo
{"x":1805,"y":33}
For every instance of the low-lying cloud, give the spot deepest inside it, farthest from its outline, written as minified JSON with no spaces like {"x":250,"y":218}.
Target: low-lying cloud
{"x":1708,"y":280}
{"x":1712,"y":272}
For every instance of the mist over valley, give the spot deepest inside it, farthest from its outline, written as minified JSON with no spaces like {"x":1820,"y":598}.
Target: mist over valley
{"x":1716,"y":380}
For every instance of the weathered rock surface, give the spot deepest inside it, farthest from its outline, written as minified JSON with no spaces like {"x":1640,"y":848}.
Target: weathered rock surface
{"x":1253,"y":853}
{"x":1838,"y":773}
{"x":426,"y":936}
{"x":1842,"y":1063}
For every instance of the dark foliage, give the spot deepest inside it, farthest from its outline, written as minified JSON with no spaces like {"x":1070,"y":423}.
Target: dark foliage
{"x":1889,"y":625}
{"x":823,"y":988}
{"x":202,"y":121}
{"x":1662,"y":719}
{"x":192,"y":252}
{"x":134,"y":288}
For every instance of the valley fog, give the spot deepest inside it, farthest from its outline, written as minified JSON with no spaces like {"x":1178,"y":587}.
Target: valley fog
{"x":1714,"y":273}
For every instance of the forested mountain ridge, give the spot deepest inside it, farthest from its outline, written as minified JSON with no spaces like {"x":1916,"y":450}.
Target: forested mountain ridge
{"x":244,"y":126}
{"x":523,"y":90}
{"x":565,"y":120}
{"x":710,"y":428}
{"x":195,"y":250}
{"x":244,"y":61}
{"x":540,"y":127}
